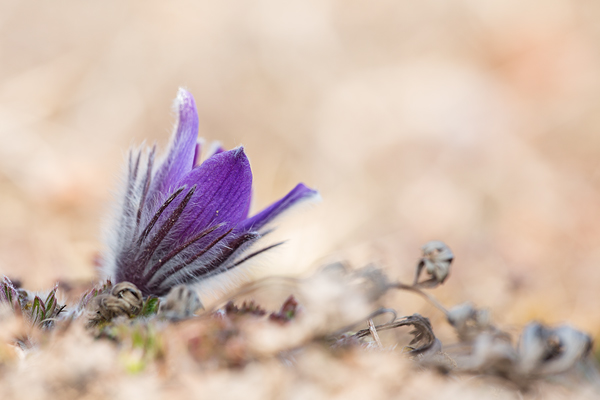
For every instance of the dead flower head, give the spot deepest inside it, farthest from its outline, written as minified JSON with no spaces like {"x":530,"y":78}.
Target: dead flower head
{"x":436,"y":260}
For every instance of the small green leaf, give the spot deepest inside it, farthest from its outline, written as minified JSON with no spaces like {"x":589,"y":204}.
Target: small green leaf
{"x":52,"y":294}
{"x":50,"y":306}
{"x":150,"y":306}
{"x":8,"y":292}
{"x":38,"y":310}
{"x":50,"y":302}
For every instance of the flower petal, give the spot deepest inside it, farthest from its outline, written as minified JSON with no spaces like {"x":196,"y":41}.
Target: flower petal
{"x":180,"y":158}
{"x":215,"y":263}
{"x":224,"y":185}
{"x":197,"y":153}
{"x":299,"y":193}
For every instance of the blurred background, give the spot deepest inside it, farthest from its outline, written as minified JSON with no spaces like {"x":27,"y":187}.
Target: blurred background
{"x":473,"y":122}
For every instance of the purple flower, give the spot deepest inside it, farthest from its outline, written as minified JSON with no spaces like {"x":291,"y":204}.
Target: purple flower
{"x":182,"y":221}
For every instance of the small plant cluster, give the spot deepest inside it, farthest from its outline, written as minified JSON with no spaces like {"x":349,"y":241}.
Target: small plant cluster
{"x":39,"y":309}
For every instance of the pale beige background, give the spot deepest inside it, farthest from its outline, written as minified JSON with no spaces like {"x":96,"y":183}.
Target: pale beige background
{"x":474,"y":122}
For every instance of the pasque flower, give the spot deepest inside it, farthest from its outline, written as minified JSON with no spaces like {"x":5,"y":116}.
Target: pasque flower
{"x":182,"y":220}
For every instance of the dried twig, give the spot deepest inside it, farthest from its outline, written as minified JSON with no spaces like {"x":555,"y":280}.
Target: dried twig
{"x":374,"y":333}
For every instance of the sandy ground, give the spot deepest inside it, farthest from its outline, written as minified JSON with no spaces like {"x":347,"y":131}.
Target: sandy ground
{"x":472,"y":122}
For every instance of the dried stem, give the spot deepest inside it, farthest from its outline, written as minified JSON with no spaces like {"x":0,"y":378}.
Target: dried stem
{"x":374,"y":333}
{"x":428,"y":297}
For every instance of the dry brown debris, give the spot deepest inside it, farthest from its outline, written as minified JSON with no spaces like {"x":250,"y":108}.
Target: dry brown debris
{"x":170,"y":338}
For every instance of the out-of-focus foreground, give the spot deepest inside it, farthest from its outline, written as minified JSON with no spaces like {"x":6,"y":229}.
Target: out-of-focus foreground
{"x":472,"y":122}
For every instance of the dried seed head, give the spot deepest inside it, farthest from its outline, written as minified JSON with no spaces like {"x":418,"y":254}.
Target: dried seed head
{"x":469,"y":321}
{"x":436,"y":260}
{"x":491,"y":353}
{"x":125,"y":299}
{"x":544,"y":351}
{"x":130,"y":296}
{"x":424,"y":340}
{"x":181,"y":302}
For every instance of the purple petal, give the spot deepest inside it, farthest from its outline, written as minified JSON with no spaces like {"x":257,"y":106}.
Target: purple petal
{"x":224,"y":185}
{"x":180,"y":158}
{"x":247,"y":210}
{"x":299,"y":193}
{"x":197,"y":154}
{"x":188,"y":272}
